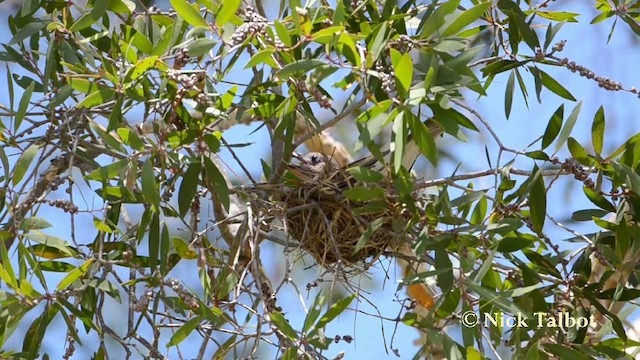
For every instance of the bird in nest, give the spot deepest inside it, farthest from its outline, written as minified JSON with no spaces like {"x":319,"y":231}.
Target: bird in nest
{"x":315,"y":167}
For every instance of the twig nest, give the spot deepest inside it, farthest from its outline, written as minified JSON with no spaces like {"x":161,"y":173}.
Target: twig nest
{"x":337,"y":231}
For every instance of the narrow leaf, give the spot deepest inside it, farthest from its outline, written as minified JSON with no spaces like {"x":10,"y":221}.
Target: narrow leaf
{"x":553,"y":127}
{"x":24,"y":104}
{"x":23,"y":163}
{"x":597,"y":131}
{"x":538,"y":201}
{"x":568,"y":127}
{"x":149,"y":185}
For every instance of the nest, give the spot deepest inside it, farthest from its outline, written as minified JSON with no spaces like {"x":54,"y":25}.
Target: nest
{"x":337,"y":232}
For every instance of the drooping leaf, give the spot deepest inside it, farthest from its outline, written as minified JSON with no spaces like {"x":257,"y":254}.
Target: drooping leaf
{"x":23,"y":163}
{"x":597,"y":131}
{"x":553,"y":127}
{"x":149,"y":184}
{"x":538,"y":200}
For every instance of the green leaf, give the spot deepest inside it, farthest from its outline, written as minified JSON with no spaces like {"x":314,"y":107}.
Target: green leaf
{"x":515,"y":243}
{"x":553,"y":85}
{"x":262,"y":57}
{"x":24,"y":104}
{"x":325,"y":35}
{"x":110,"y":171}
{"x":23,"y":163}
{"x":149,"y":184}
{"x":188,"y":187}
{"x":565,"y":352}
{"x":365,"y":174}
{"x":98,"y":97}
{"x":403,"y":68}
{"x":578,"y":152}
{"x":379,"y":41}
{"x":200,"y":47}
{"x":466,"y":18}
{"x":508,"y":94}
{"x":538,"y":201}
{"x":282,"y":33}
{"x":443,"y":263}
{"x":86,"y":20}
{"x":34,"y":223}
{"x":28,"y":31}
{"x":553,"y":127}
{"x":189,"y":13}
{"x":154,"y":241}
{"x":283,"y":325}
{"x":314,"y":311}
{"x":75,"y":274}
{"x":299,"y":67}
{"x":602,"y":17}
{"x":183,"y":249}
{"x":142,"y":66}
{"x":467,"y":198}
{"x":51,"y":241}
{"x":184,"y":331}
{"x":423,"y":138}
{"x":629,"y":175}
{"x":216,"y":183}
{"x":598,"y":199}
{"x":49,"y":252}
{"x":479,"y":212}
{"x":359,"y":193}
{"x":335,"y":310}
{"x":347,"y":47}
{"x":121,"y":6}
{"x":34,"y":335}
{"x":366,"y":235}
{"x":558,"y":15}
{"x":537,"y":155}
{"x":568,"y":127}
{"x":588,"y":214}
{"x":597,"y":131}
{"x":227,"y":11}
{"x":499,"y":66}
{"x":437,"y":19}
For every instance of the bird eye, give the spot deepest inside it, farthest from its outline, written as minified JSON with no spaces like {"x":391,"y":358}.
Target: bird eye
{"x":315,"y":159}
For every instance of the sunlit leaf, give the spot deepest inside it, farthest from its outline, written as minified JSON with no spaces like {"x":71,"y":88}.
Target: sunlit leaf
{"x":189,"y":13}
{"x":597,"y":131}
{"x":75,"y":274}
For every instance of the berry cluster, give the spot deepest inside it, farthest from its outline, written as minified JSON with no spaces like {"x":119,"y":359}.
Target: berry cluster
{"x":403,"y":44}
{"x":323,"y":100}
{"x":188,"y":299}
{"x":572,"y":166}
{"x":193,"y":82}
{"x":256,"y":24}
{"x":65,"y":205}
{"x":143,"y":303}
{"x":603,"y":82}
{"x":182,"y":58}
{"x":347,"y":338}
{"x":599,"y":255}
{"x":388,"y":79}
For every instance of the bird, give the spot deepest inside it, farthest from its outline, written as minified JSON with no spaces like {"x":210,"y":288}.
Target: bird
{"x":315,"y":166}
